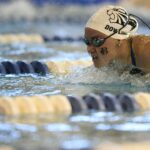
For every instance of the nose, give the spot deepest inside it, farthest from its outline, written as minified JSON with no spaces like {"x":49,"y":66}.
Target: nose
{"x":91,"y":49}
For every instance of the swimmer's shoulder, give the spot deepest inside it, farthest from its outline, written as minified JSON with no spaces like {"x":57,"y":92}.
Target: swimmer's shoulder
{"x":140,"y":42}
{"x":141,"y":48}
{"x":140,"y":38}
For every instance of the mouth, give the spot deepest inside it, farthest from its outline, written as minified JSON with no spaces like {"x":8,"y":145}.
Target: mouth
{"x":94,"y":57}
{"x":96,"y":61}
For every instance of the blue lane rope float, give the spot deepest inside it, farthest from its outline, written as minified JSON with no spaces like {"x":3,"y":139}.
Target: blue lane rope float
{"x":105,"y":102}
{"x":2,"y":69}
{"x":64,"y":2}
{"x":20,"y":67}
{"x":11,"y":67}
{"x":111,"y":103}
{"x":70,"y":2}
{"x":128,"y":102}
{"x":94,"y":102}
{"x":61,"y":39}
{"x":40,"y":68}
{"x":25,"y":67}
{"x":77,"y":104}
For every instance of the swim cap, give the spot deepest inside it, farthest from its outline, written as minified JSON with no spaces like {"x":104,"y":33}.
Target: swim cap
{"x":110,"y":19}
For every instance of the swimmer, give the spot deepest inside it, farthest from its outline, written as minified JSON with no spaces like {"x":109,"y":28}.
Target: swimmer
{"x":110,"y":34}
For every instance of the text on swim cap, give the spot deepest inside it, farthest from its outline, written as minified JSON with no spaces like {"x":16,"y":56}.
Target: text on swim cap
{"x":110,"y":28}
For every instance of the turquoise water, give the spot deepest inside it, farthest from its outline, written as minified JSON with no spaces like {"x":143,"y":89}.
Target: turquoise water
{"x":27,"y":132}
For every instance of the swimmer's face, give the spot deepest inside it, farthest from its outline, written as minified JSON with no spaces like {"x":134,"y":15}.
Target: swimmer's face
{"x":103,"y":54}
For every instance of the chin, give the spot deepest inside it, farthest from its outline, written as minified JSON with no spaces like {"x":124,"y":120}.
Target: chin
{"x":99,"y":64}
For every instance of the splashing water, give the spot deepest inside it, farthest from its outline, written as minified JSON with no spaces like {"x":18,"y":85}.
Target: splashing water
{"x":113,"y":73}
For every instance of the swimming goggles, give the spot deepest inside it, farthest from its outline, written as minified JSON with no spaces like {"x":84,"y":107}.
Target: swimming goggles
{"x":97,"y":42}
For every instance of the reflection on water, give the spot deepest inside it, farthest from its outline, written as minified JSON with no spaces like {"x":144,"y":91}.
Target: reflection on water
{"x":91,"y":128}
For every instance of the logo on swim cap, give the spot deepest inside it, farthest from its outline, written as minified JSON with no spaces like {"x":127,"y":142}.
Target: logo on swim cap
{"x":120,"y":16}
{"x":110,"y":19}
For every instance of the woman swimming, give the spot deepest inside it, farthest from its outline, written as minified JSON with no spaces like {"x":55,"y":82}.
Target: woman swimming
{"x":110,"y":35}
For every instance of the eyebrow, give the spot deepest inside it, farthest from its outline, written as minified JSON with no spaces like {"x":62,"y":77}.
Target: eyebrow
{"x":95,"y":35}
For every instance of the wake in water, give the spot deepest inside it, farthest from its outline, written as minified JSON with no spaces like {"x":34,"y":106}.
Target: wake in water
{"x":113,"y":73}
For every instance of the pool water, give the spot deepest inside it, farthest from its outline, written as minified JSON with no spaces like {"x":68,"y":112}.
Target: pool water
{"x":51,"y":132}
{"x":114,"y":78}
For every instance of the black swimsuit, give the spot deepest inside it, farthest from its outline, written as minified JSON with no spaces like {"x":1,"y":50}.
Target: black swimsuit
{"x":135,"y":69}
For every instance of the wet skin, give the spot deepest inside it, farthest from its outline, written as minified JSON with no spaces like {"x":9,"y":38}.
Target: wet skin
{"x":107,"y":52}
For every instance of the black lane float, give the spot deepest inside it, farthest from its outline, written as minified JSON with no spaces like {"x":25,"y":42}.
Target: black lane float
{"x":21,"y":67}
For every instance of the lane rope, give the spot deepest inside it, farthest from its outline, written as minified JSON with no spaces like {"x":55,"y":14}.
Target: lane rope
{"x":67,"y":105}
{"x":41,"y":68}
{"x":36,"y":38}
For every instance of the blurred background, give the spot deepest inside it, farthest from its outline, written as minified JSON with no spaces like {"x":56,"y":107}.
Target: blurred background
{"x":39,"y":15}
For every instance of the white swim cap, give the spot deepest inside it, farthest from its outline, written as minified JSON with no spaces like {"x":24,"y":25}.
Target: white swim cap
{"x":110,"y":19}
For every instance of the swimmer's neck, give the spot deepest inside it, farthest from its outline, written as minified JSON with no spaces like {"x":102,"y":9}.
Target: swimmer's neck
{"x":124,"y":52}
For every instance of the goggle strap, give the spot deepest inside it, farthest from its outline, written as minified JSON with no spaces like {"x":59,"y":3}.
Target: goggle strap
{"x":110,"y":35}
{"x":141,"y":20}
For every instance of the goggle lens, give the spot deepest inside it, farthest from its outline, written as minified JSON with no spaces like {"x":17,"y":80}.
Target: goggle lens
{"x":98,"y":42}
{"x":95,"y":42}
{"x":86,"y":41}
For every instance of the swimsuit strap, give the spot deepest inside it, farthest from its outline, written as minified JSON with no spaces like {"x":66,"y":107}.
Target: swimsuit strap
{"x":135,"y":69}
{"x":132,"y":54}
